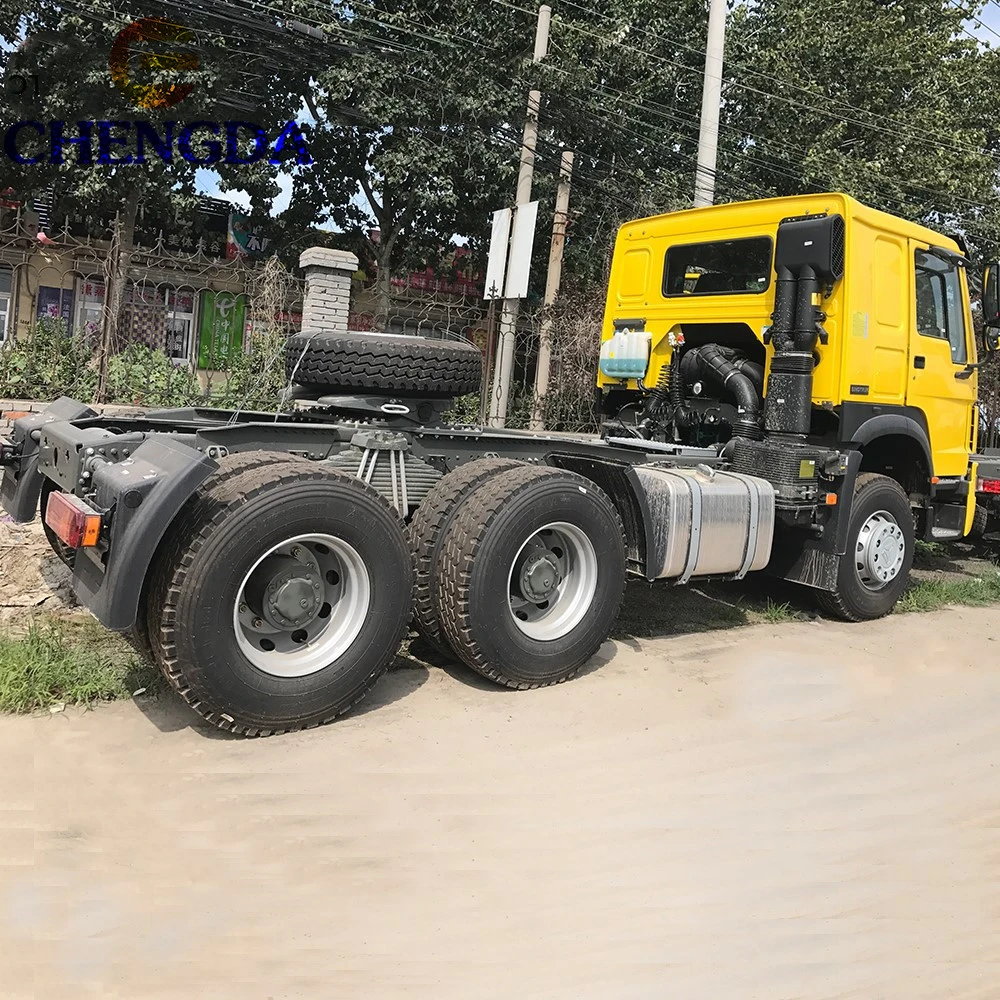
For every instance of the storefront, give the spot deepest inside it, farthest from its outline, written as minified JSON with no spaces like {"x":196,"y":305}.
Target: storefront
{"x":162,"y":318}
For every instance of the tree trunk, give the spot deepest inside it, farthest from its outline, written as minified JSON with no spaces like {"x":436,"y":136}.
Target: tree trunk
{"x":383,"y":289}
{"x":116,"y":276}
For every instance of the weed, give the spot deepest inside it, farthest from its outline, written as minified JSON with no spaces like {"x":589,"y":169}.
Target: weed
{"x":773,"y":613}
{"x":70,"y":662}
{"x":928,"y":595}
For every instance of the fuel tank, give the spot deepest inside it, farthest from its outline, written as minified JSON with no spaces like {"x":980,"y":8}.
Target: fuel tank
{"x":703,"y":522}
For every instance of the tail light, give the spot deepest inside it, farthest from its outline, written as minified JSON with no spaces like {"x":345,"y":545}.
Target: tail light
{"x":989,"y":485}
{"x":73,"y":521}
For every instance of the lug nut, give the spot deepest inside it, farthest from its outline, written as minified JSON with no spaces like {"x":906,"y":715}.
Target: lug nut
{"x":296,"y":552}
{"x":257,"y":622}
{"x":243,"y":609}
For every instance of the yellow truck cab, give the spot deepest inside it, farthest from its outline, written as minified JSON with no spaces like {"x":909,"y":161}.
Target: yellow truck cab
{"x":825,"y":344}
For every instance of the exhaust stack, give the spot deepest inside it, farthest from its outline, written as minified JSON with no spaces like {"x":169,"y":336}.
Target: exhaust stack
{"x":808,"y":257}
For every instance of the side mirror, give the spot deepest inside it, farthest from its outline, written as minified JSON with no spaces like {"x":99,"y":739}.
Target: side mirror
{"x":991,"y":307}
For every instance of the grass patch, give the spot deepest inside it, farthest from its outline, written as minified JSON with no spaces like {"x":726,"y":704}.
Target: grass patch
{"x":929,"y":595}
{"x":773,"y":613}
{"x":660,"y":609}
{"x":67,"y":661}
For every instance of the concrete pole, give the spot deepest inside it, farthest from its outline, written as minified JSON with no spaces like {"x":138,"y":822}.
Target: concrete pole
{"x":711,"y":99}
{"x":504,"y":370}
{"x":552,"y":281}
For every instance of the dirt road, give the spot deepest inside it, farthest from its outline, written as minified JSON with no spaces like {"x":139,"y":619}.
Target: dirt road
{"x":798,"y":811}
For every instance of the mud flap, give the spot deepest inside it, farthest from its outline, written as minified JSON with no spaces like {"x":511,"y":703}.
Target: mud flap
{"x":144,"y":494}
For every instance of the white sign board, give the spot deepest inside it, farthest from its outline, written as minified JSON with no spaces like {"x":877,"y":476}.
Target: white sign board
{"x":497,"y":263}
{"x":511,"y":243}
{"x":522,"y":241}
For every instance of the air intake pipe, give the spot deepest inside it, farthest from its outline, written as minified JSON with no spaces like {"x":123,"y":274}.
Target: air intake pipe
{"x":713,"y":363}
{"x":808,"y":256}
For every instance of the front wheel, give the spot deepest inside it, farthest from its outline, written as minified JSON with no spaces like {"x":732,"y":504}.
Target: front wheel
{"x":875,"y":569}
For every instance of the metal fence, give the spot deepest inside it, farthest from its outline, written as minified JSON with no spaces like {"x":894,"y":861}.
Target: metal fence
{"x":989,"y":406}
{"x":204,"y":313}
{"x":196,"y":308}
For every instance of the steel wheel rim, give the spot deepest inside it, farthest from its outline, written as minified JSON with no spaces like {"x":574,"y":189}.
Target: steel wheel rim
{"x":344,"y":589}
{"x":544,"y":608}
{"x":879,"y":551}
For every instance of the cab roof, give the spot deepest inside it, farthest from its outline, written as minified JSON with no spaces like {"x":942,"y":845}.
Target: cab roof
{"x":768,"y":212}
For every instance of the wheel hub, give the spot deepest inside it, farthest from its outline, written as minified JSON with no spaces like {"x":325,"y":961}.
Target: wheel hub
{"x":286,"y":592}
{"x":540,"y":577}
{"x":301,"y":605}
{"x":552,"y":581}
{"x":295,"y":601}
{"x":880,"y":551}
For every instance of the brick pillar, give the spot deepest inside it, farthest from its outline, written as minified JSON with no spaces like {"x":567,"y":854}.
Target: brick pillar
{"x":328,"y":289}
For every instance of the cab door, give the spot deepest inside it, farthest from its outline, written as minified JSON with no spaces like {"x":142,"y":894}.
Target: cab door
{"x":941,"y":345}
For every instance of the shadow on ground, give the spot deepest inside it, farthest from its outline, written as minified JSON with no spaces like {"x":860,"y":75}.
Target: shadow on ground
{"x":170,"y":713}
{"x":956,"y":560}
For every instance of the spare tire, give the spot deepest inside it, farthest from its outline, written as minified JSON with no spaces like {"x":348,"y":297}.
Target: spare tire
{"x":384,"y":364}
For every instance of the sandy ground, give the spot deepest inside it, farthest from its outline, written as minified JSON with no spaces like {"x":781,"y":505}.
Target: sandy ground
{"x":807,"y":810}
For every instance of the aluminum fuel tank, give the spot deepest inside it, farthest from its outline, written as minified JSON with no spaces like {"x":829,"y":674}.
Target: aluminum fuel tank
{"x":703,"y":522}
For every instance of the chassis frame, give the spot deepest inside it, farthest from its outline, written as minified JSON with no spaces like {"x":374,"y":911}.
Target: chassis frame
{"x":139,"y":472}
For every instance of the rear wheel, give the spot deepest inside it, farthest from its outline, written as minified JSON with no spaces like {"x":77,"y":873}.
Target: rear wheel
{"x":280,"y":596}
{"x":426,"y":533}
{"x":530,"y":576}
{"x":875,"y":569}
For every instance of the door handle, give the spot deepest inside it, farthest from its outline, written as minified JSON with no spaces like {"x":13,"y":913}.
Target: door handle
{"x":919,"y":361}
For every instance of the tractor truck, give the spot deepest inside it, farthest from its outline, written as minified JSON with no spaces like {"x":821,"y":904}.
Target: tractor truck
{"x":787,"y":386}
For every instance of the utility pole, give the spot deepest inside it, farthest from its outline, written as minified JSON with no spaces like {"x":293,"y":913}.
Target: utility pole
{"x":508,"y":317}
{"x":711,"y":99}
{"x":552,"y":280}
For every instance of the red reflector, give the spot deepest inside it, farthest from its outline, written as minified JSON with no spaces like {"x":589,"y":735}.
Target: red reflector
{"x":72,"y":520}
{"x":989,"y":485}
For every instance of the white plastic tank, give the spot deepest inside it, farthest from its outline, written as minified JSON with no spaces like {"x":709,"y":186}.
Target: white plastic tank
{"x":625,"y":354}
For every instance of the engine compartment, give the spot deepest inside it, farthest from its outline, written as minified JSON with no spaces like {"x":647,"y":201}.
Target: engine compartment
{"x":712,"y":390}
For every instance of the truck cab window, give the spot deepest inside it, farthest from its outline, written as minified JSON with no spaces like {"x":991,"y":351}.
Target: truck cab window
{"x":722,"y":267}
{"x":940,"y":312}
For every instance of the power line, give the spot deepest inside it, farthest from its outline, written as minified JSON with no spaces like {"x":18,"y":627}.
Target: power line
{"x":972,"y":17}
{"x":656,"y":57}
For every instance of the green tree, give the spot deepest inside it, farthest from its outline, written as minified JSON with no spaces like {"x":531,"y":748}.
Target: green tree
{"x":891,"y":101}
{"x":622,"y":89}
{"x":67,"y":49}
{"x":412,"y":136}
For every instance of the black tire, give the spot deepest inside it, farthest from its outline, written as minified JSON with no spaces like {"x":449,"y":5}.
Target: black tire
{"x":232,"y":520}
{"x":980,"y":520}
{"x":232,"y":465}
{"x":426,"y":533}
{"x":384,"y":364}
{"x":853,"y":601}
{"x":474,"y":563}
